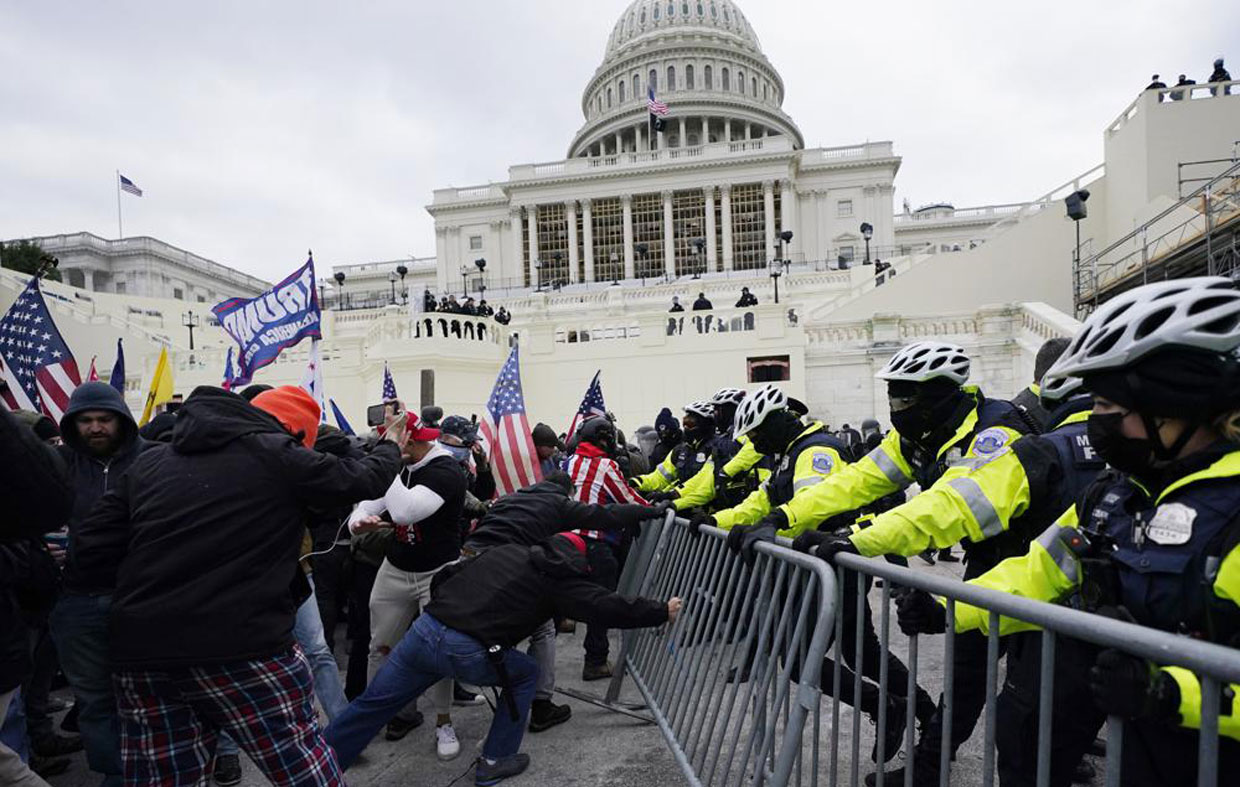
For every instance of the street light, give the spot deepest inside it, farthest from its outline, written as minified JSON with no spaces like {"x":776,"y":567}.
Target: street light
{"x":404,"y":291}
{"x":642,"y":250}
{"x":775,"y":269}
{"x":1075,"y":203}
{"x":392,"y":279}
{"x":555,"y":271}
{"x":537,"y":275}
{"x":698,"y":244}
{"x":867,"y":232}
{"x":191,"y":321}
{"x":481,"y":265}
{"x":785,"y":238}
{"x":615,"y":269}
{"x":339,"y":277}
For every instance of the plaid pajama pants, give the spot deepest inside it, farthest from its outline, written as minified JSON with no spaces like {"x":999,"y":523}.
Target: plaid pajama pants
{"x":171,"y":720}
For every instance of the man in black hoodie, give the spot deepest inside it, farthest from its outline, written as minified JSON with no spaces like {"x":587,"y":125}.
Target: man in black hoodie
{"x":101,"y":442}
{"x":481,"y":607}
{"x":201,"y":539}
{"x":530,"y":516}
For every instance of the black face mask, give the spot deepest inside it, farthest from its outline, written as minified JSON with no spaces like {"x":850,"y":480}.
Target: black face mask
{"x":917,"y":421}
{"x":1131,"y":455}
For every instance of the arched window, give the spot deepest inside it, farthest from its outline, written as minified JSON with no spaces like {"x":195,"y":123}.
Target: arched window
{"x":671,"y":78}
{"x":637,"y":86}
{"x":755,"y":87}
{"x":740,"y":81}
{"x":655,"y":12}
{"x":653,"y":84}
{"x":710,"y":79}
{"x":600,"y":105}
{"x":689,"y":77}
{"x":609,"y":98}
{"x":726,"y":84}
{"x":764,"y":87}
{"x":622,"y":91}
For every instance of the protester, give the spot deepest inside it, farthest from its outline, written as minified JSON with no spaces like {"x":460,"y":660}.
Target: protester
{"x":532,"y":515}
{"x":502,"y":316}
{"x":101,"y":444}
{"x":668,"y":429}
{"x":36,"y":486}
{"x":424,"y":507}
{"x":1155,"y":83}
{"x":549,"y":447}
{"x":676,"y":307}
{"x":494,"y":600}
{"x":234,"y":569}
{"x":1219,"y":74}
{"x":747,"y":299}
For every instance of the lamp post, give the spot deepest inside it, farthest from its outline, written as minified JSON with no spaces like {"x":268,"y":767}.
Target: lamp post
{"x":191,"y":321}
{"x":698,"y":245}
{"x":555,"y":270}
{"x":537,"y":275}
{"x":339,"y":277}
{"x":775,"y":269}
{"x":867,"y":232}
{"x":642,"y":250}
{"x":615,"y":269}
{"x":402,"y":271}
{"x":785,"y":238}
{"x":392,"y":280}
{"x":481,"y":265}
{"x":1075,"y":203}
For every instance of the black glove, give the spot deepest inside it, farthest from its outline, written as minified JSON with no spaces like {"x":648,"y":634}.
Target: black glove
{"x":659,"y":509}
{"x":825,"y":544}
{"x":696,"y":522}
{"x":1131,"y":687}
{"x":918,"y":613}
{"x":776,"y":519}
{"x":743,"y":539}
{"x":659,"y":497}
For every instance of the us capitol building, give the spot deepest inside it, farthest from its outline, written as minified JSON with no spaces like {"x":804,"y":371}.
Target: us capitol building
{"x":587,"y":253}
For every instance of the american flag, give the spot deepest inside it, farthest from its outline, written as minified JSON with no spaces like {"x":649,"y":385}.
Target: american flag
{"x":507,"y":432}
{"x":389,"y":385}
{"x":229,"y":374}
{"x":35,"y":362}
{"x":653,"y":104}
{"x":591,"y":404}
{"x":129,"y":185}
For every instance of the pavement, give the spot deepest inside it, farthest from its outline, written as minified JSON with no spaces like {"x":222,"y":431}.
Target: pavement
{"x":600,"y":748}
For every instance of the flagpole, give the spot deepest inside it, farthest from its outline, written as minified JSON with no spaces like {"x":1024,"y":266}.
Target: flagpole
{"x":120,"y":231}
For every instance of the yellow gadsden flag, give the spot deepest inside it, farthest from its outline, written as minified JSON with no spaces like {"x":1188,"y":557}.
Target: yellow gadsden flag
{"x":161,"y":387}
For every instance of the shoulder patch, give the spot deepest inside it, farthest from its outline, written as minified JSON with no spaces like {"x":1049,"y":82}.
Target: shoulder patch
{"x":823,"y":463}
{"x":990,"y":441}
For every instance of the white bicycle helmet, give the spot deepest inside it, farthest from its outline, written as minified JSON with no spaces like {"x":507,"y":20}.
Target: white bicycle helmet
{"x":756,"y":407}
{"x":1201,"y":312}
{"x":1057,"y":389}
{"x":700,"y":408}
{"x":728,"y":396}
{"x":929,"y":360}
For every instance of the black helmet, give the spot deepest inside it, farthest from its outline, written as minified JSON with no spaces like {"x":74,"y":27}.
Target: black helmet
{"x":600,"y":432}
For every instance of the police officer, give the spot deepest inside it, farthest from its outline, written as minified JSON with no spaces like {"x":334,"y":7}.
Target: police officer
{"x":1155,"y":539}
{"x":735,"y":467}
{"x":686,"y":459}
{"x":999,"y":503}
{"x":938,"y":422}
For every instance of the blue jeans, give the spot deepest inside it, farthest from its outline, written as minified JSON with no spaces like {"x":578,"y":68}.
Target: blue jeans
{"x":80,"y":628}
{"x":328,"y":688}
{"x":13,"y":728}
{"x":428,"y":653}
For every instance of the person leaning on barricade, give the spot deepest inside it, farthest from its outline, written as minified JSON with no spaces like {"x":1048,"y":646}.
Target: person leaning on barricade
{"x":939,"y":421}
{"x":1026,"y":486}
{"x":480,"y":608}
{"x":733,"y":468}
{"x":1155,"y":539}
{"x":806,"y":456}
{"x":530,"y":516}
{"x":685,"y":460}
{"x":200,"y":540}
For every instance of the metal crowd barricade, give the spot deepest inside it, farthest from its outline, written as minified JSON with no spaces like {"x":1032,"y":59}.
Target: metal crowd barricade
{"x":1215,"y":665}
{"x":732,"y":682}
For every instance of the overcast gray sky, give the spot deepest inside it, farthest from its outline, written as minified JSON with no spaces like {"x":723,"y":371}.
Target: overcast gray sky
{"x":261,"y":129}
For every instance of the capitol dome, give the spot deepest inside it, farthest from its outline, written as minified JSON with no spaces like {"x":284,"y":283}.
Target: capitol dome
{"x":704,"y":61}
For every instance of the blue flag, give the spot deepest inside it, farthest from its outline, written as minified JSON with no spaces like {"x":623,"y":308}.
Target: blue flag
{"x":276,"y":320}
{"x":229,"y":376}
{"x":343,"y":424}
{"x":117,"y":380}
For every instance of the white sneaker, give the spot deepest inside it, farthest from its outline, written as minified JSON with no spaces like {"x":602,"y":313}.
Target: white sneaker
{"x":446,"y":743}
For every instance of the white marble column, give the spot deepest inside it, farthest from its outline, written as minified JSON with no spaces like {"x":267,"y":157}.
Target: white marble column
{"x":727,"y":129}
{"x":768,"y":217}
{"x":441,"y":259}
{"x":669,"y":236}
{"x":587,"y":237}
{"x":640,"y":136}
{"x":88,"y":279}
{"x":626,"y":201}
{"x":712,"y":257}
{"x":684,"y":135}
{"x":531,"y":216}
{"x":512,"y":268}
{"x":570,"y":214}
{"x":748,"y":131}
{"x":725,"y":194}
{"x":787,"y":207}
{"x":619,"y":144}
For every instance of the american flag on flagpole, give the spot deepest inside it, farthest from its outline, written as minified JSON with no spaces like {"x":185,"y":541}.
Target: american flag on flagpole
{"x":129,"y":186}
{"x":312,"y":380}
{"x":591,"y":404}
{"x":35,"y":362}
{"x":389,"y":385}
{"x":507,"y":431}
{"x":653,"y":104}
